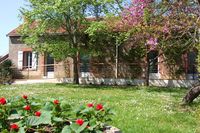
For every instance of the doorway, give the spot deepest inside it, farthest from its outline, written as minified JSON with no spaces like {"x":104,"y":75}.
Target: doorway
{"x":49,"y":66}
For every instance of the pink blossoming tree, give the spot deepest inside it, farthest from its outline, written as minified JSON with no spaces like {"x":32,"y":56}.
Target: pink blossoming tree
{"x":162,"y":26}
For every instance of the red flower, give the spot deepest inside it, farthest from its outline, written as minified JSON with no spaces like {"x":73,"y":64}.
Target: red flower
{"x":14,"y":127}
{"x":38,"y":113}
{"x":25,"y":96}
{"x":27,"y":107}
{"x":56,"y":102}
{"x":2,"y":101}
{"x":79,"y":121}
{"x":90,"y":105}
{"x":99,"y":107}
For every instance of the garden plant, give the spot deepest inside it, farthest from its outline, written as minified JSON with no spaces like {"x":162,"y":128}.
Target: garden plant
{"x":28,"y":115}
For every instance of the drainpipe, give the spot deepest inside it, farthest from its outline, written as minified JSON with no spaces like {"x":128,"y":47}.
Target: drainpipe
{"x":116,"y":60}
{"x":29,"y":59}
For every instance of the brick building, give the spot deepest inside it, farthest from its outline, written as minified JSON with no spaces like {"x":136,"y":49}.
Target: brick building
{"x":36,"y":66}
{"x":31,"y":64}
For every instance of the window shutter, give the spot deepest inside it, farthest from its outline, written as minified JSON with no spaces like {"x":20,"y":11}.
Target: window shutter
{"x":20,"y":60}
{"x":34,"y":60}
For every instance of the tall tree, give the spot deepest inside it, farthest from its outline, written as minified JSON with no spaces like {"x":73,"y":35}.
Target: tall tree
{"x":45,"y":18}
{"x":169,"y":26}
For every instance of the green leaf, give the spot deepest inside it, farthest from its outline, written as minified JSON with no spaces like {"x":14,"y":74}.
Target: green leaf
{"x":85,"y":111}
{"x":66,"y":129}
{"x":65,"y":106}
{"x":74,"y":127}
{"x":99,"y":131}
{"x":48,"y":106}
{"x":93,"y":123}
{"x":14,"y":117}
{"x":45,"y":118}
{"x":82,"y":127}
{"x":21,"y":130}
{"x":57,"y":119}
{"x":79,"y":110}
{"x":5,"y":131}
{"x":32,"y":121}
{"x":35,"y":104}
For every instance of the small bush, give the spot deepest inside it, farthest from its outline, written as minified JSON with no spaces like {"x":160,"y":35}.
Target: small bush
{"x":6,"y":72}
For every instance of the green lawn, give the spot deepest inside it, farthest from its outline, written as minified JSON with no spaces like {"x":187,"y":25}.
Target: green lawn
{"x":138,"y":109}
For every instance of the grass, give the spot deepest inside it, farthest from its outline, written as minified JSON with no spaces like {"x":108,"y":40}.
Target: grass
{"x":138,"y":109}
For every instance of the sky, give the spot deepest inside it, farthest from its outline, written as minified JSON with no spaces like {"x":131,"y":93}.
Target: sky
{"x":9,"y":20}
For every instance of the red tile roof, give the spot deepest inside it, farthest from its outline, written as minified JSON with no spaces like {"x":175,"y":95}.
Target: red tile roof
{"x":60,"y":30}
{"x":14,"y":32}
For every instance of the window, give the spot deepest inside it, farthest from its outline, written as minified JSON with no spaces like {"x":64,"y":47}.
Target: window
{"x":50,"y":63}
{"x":27,"y":59}
{"x":192,"y":68}
{"x":153,"y":61}
{"x":85,"y":63}
{"x":15,"y":40}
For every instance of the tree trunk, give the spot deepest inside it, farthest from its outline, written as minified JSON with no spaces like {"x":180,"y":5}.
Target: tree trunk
{"x":193,"y":93}
{"x":76,"y":75}
{"x":75,"y":59}
{"x":147,"y":71}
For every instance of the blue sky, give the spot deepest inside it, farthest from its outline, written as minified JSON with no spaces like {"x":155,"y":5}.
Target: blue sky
{"x":9,"y":19}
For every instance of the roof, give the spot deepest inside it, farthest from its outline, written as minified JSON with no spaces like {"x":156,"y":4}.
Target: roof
{"x":14,"y":32}
{"x":60,"y":30}
{"x":4,"y":58}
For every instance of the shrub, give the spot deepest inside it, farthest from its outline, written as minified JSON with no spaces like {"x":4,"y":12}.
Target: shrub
{"x":25,"y":115}
{"x":6,"y":72}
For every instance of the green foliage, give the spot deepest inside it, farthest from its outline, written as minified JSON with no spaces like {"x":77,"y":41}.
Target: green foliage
{"x":6,"y":72}
{"x":66,"y":16}
{"x":56,"y":116}
{"x":102,"y":40}
{"x":57,"y":18}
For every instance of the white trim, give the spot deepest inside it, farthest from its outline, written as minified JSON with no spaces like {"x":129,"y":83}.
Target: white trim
{"x":140,"y":82}
{"x":34,"y":61}
{"x":50,"y":75}
{"x":154,"y":75}
{"x":192,"y":76}
{"x":85,"y":74}
{"x":20,"y":60}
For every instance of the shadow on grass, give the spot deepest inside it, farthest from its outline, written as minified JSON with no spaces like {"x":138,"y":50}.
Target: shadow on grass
{"x":166,"y":89}
{"x":126,"y":88}
{"x":194,"y":104}
{"x":100,"y":87}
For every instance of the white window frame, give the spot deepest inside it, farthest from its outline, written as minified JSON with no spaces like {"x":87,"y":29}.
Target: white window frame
{"x":34,"y":61}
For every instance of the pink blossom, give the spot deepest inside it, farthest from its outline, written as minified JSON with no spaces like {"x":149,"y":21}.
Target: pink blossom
{"x":152,"y":42}
{"x":133,"y":14}
{"x":165,"y":29}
